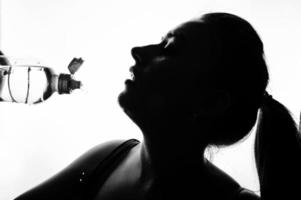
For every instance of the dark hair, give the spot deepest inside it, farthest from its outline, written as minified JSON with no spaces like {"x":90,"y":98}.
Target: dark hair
{"x":3,"y":61}
{"x":240,"y":68}
{"x":277,"y":152}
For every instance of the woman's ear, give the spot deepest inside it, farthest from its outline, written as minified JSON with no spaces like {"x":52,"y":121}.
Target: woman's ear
{"x":215,"y":104}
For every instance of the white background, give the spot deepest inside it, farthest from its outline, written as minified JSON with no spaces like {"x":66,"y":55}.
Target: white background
{"x":37,"y":141}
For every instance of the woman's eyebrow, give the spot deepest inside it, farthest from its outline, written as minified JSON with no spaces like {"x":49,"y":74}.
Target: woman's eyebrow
{"x":173,"y":34}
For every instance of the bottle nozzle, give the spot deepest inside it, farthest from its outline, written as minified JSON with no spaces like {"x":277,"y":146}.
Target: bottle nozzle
{"x":74,"y":84}
{"x":66,"y":83}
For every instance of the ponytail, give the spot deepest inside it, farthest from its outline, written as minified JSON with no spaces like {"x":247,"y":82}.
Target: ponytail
{"x":277,"y":152}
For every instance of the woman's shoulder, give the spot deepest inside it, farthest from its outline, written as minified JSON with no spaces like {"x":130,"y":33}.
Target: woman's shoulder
{"x":65,"y":180}
{"x":227,"y":185}
{"x":220,"y":177}
{"x":245,"y":194}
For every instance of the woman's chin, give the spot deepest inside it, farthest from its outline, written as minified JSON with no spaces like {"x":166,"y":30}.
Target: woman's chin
{"x":128,"y":99}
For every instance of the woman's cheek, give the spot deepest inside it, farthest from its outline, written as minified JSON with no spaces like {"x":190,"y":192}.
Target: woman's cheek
{"x":155,"y":104}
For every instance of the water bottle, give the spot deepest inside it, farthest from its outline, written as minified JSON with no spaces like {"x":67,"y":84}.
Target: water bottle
{"x":32,"y":84}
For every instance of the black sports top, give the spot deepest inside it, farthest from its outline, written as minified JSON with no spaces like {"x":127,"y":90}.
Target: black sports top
{"x":106,"y":167}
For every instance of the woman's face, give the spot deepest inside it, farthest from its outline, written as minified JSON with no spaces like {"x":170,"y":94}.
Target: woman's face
{"x":168,"y":76}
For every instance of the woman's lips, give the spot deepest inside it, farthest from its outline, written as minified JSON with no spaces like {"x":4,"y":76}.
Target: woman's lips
{"x":133,"y":76}
{"x":135,"y":73}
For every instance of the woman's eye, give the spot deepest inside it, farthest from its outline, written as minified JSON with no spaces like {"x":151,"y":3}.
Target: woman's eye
{"x":169,"y":46}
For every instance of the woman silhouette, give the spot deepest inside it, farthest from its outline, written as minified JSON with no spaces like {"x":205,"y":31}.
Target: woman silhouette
{"x":202,"y":85}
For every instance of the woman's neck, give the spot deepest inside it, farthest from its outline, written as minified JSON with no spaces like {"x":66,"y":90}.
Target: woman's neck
{"x":165,"y":159}
{"x":165,"y":170}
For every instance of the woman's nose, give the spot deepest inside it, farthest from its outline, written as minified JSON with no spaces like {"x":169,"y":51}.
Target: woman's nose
{"x":144,"y":54}
{"x":137,"y":54}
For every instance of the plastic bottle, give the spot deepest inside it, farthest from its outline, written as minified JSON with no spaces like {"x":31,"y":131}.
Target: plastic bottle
{"x":32,"y":84}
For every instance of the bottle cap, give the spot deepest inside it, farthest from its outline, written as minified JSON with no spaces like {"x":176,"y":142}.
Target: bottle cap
{"x":66,"y":84}
{"x":75,"y":64}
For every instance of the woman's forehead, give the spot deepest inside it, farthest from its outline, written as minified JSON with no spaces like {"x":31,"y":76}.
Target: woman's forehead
{"x":190,"y":27}
{"x":192,"y":31}
{"x":198,"y":42}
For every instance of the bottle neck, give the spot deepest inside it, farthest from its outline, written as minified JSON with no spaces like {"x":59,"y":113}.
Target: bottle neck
{"x":54,"y":83}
